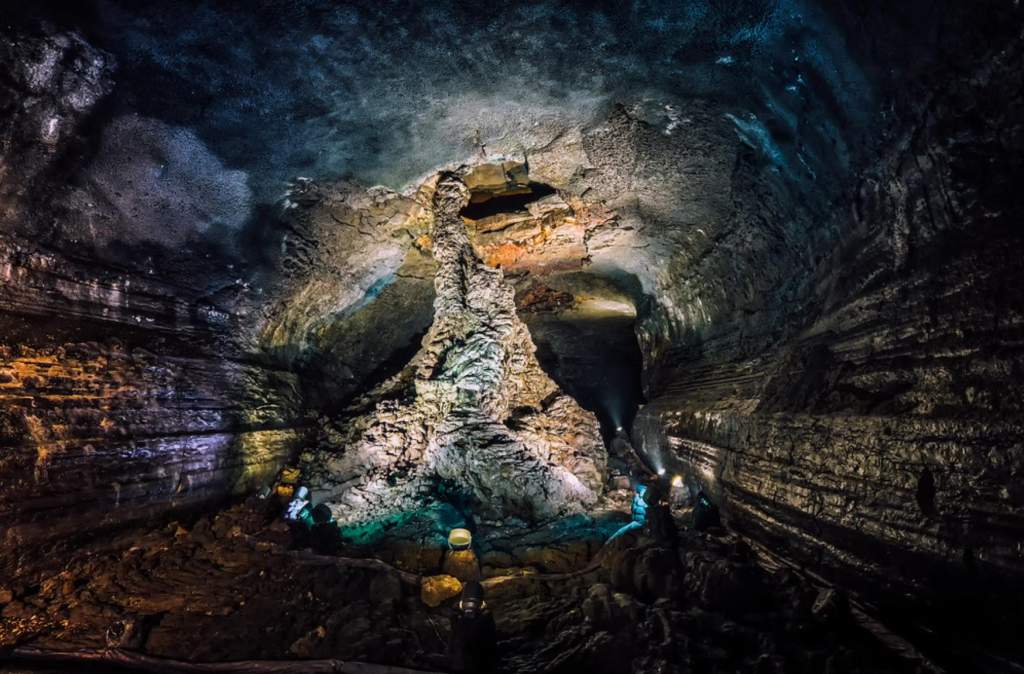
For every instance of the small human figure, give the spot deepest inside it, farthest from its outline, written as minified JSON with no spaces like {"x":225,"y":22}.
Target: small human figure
{"x":473,"y":647}
{"x":679,"y":494}
{"x":299,"y":508}
{"x":638,"y":512}
{"x":659,"y":524}
{"x":639,"y":507}
{"x":705,"y":513}
{"x":323,"y":535}
{"x":622,"y":449}
{"x":322,"y":514}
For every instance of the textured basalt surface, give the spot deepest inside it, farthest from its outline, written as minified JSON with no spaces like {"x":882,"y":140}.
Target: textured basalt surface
{"x":807,"y":212}
{"x":121,"y":398}
{"x":902,"y":368}
{"x":127,"y":390}
{"x":880,"y":436}
{"x":472,"y":409}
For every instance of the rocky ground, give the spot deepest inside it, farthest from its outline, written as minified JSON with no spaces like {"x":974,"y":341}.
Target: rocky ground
{"x":240,"y":585}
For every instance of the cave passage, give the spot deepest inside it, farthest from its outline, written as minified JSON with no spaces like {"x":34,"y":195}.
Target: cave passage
{"x":378,"y":336}
{"x":593,"y":355}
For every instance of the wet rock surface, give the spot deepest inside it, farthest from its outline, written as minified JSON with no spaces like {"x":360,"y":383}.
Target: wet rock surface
{"x":127,"y":389}
{"x":123,"y":397}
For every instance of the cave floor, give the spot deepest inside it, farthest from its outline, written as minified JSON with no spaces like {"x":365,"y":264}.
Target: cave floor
{"x":241,"y":585}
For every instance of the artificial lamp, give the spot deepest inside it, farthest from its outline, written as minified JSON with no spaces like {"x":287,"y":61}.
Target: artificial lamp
{"x":459,"y":539}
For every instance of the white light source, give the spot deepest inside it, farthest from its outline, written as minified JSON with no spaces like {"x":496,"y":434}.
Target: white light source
{"x":661,"y":471}
{"x":605,"y":306}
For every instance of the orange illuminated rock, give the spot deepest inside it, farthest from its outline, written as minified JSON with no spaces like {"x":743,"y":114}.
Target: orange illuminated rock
{"x":504,"y":255}
{"x":490,"y":180}
{"x":436,"y":590}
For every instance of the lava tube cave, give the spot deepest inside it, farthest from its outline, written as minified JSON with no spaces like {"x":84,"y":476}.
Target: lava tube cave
{"x":393,"y":337}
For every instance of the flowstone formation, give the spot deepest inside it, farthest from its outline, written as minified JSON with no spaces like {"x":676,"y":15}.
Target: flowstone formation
{"x":472,"y":416}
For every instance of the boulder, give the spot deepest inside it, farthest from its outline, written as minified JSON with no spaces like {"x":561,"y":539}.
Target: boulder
{"x":436,"y":590}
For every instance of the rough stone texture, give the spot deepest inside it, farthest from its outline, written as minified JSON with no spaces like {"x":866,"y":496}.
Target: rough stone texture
{"x":52,"y":81}
{"x":185,"y":591}
{"x":472,"y":409}
{"x":126,"y":393}
{"x":810,"y":207}
{"x":390,"y":91}
{"x":229,"y":588}
{"x":348,"y":263}
{"x":881,"y":433}
{"x":122,"y":398}
{"x":150,"y":183}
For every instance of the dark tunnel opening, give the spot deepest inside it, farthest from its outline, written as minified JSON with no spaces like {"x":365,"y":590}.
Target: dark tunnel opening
{"x":596,"y":360}
{"x":484,"y":205}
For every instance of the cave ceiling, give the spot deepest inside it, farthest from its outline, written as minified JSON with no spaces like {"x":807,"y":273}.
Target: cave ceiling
{"x":282,"y":153}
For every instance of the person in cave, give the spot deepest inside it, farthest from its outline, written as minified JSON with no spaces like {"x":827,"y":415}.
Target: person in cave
{"x":313,"y":526}
{"x":473,"y":645}
{"x":622,"y":449}
{"x":324,"y":537}
{"x":638,"y":508}
{"x":650,"y":500}
{"x":300,"y":508}
{"x":638,"y":513}
{"x":659,"y":524}
{"x":705,"y":513}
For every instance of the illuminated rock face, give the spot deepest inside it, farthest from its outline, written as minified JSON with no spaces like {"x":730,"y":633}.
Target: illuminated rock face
{"x":472,"y":410}
{"x":124,"y":394}
{"x":879,"y":427}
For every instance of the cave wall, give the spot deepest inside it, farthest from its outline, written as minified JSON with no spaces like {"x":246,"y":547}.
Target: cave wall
{"x":881,"y":431}
{"x":349,"y":292}
{"x":129,"y":389}
{"x":808,"y":355}
{"x":121,"y":399}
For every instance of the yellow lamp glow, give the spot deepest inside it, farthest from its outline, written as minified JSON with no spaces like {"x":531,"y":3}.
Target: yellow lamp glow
{"x":460,"y":539}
